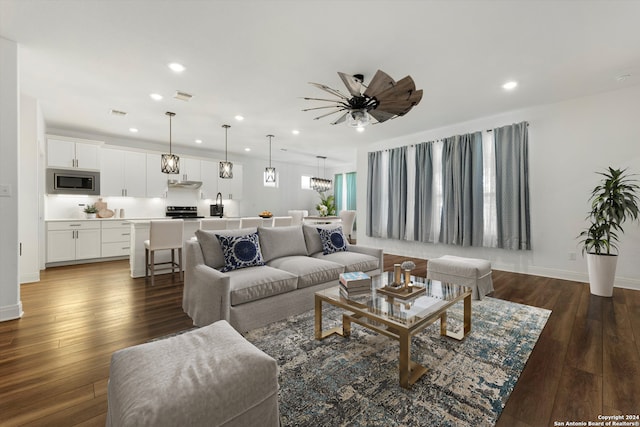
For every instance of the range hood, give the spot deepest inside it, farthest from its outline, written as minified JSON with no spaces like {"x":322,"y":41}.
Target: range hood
{"x":172,"y":183}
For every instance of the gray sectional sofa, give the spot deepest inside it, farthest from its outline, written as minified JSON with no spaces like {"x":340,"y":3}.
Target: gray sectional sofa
{"x":295,"y":267}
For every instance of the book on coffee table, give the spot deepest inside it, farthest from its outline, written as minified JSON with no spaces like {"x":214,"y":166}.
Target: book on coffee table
{"x":354,"y":283}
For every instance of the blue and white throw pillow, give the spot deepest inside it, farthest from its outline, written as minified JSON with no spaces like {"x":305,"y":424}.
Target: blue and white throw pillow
{"x":240,"y":251}
{"x":332,"y":240}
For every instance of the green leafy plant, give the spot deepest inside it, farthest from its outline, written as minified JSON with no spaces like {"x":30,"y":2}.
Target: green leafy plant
{"x":613,"y":201}
{"x":90,"y":209}
{"x":327,"y":205}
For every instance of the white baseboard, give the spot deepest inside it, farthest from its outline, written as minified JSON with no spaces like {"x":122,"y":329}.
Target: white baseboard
{"x":11,"y":312}
{"x":621,"y":282}
{"x":30,"y":278}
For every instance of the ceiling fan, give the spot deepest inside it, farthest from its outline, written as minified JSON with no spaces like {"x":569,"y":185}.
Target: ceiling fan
{"x":382,"y":99}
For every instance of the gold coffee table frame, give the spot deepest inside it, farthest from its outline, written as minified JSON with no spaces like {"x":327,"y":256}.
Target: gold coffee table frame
{"x":384,"y":324}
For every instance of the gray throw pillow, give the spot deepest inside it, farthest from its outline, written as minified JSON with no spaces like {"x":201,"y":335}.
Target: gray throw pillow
{"x":312,"y":237}
{"x":278,"y":242}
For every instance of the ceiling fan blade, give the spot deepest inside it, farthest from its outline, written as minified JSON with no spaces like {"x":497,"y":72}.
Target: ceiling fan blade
{"x":321,"y":108}
{"x":354,"y":85}
{"x":380,"y":82}
{"x":320,"y":99}
{"x":381,"y":116}
{"x":330,"y":90}
{"x":341,"y":119}
{"x":400,"y":98}
{"x":328,"y":114}
{"x":401,"y":90}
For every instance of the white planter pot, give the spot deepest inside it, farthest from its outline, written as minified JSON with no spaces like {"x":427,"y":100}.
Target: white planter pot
{"x":90,"y":215}
{"x":602,"y":273}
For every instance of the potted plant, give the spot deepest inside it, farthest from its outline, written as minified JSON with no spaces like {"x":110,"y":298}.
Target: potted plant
{"x":613,"y":201}
{"x":91,"y":211}
{"x":327,"y":205}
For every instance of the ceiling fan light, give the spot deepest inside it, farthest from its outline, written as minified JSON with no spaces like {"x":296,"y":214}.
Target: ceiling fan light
{"x":358,"y":118}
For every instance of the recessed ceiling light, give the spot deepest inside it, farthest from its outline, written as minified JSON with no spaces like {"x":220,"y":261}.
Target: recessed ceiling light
{"x":239,"y":118}
{"x":177,"y":68}
{"x":133,"y":130}
{"x":198,"y":141}
{"x":360,"y":129}
{"x":156,"y":96}
{"x":510,"y":85}
{"x":295,"y":132}
{"x":247,"y":149}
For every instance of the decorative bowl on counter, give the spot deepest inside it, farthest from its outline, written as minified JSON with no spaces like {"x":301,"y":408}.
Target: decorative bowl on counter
{"x":265,"y":214}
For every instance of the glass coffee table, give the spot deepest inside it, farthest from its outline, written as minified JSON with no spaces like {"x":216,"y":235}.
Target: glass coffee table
{"x":397,"y":317}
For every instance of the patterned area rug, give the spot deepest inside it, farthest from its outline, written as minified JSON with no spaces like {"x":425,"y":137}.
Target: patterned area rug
{"x":355,"y":381}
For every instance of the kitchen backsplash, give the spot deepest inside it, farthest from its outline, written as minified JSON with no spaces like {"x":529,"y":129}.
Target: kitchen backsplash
{"x":67,"y":206}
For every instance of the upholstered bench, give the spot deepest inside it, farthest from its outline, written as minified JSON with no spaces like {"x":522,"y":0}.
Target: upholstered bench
{"x":211,"y":376}
{"x":471,"y":272}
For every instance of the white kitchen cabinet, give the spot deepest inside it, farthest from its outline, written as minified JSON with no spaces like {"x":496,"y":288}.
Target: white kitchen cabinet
{"x":209,"y":177}
{"x":231,"y":189}
{"x":73,"y":240}
{"x":116,"y":238}
{"x":156,"y":180}
{"x":123,"y":173}
{"x":190,"y":169}
{"x":71,"y":153}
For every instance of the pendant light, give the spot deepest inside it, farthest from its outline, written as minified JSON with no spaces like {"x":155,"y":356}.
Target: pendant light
{"x":226,"y":167}
{"x":270,"y":172}
{"x":170,"y":163}
{"x":317,"y":183}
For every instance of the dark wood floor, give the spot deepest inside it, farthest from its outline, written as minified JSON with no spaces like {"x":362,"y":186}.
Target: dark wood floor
{"x":54,"y":362}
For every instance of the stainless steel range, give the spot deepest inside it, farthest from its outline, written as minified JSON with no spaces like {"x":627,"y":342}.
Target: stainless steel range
{"x":182,"y":212}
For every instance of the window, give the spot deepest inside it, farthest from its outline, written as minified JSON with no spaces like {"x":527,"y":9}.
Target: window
{"x":468,"y":190}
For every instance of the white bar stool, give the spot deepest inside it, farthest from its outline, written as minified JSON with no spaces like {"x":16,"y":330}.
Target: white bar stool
{"x":213,"y":224}
{"x":247,"y":222}
{"x":163,"y":235}
{"x":282,"y":221}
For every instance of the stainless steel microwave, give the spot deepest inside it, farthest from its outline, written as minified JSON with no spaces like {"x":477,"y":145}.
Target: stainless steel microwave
{"x":71,"y":181}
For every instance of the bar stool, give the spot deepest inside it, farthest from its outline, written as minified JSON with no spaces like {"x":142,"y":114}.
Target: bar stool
{"x":282,"y":221}
{"x":213,"y":224}
{"x":163,"y":235}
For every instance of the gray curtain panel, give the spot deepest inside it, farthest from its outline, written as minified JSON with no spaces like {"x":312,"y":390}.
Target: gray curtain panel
{"x":397,"y":214}
{"x":462,"y":187}
{"x":512,"y":186}
{"x":374,"y":186}
{"x":423,"y":191}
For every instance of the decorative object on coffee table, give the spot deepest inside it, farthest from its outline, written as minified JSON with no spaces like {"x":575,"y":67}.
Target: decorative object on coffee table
{"x":407,"y":266}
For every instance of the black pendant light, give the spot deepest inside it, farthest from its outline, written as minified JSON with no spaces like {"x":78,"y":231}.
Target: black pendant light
{"x":270,"y":172}
{"x":226,"y":167}
{"x":170,"y":163}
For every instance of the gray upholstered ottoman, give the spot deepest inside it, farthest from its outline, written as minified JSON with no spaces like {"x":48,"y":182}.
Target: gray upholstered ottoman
{"x":471,"y":272}
{"x":211,"y":376}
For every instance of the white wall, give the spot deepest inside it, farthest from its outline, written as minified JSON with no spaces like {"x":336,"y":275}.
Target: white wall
{"x":568,"y":143}
{"x":30,"y":174}
{"x":10,"y":304}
